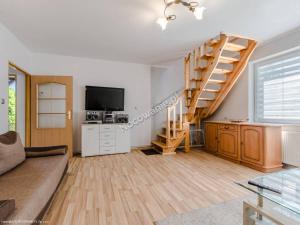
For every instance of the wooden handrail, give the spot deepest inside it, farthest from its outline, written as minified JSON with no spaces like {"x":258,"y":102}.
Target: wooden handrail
{"x":207,"y":73}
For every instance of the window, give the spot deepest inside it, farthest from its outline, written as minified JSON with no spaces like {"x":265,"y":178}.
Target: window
{"x":277,"y":89}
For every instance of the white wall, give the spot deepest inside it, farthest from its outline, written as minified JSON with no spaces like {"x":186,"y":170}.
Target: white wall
{"x":11,"y":49}
{"x":237,"y":104}
{"x":165,"y":80}
{"x":135,"y":78}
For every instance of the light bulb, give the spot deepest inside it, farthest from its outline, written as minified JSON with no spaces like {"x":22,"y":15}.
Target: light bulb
{"x":198,"y":12}
{"x":162,"y":22}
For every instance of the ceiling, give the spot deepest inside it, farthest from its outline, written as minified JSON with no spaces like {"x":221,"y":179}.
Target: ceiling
{"x":126,"y":30}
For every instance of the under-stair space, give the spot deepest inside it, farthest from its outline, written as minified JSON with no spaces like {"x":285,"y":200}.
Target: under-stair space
{"x":210,"y":72}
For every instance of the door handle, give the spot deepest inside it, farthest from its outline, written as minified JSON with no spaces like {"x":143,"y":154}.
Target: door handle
{"x":69,"y":114}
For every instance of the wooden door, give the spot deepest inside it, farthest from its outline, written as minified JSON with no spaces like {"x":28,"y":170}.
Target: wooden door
{"x":211,"y":137}
{"x":51,"y":111}
{"x":228,"y":144}
{"x":252,"y":145}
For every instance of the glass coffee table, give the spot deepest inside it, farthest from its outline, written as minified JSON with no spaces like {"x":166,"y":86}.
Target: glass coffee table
{"x":278,"y":199}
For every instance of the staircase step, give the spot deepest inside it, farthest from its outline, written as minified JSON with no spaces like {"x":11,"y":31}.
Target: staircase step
{"x":212,"y":42}
{"x":191,"y":89}
{"x":171,"y":129}
{"x":206,"y":99}
{"x":206,"y":56}
{"x":159,"y":144}
{"x":164,"y":136}
{"x":177,"y":129}
{"x":216,"y":81}
{"x":233,"y":47}
{"x":211,"y":90}
{"x":229,"y":60}
{"x":200,"y":69}
{"x":221,"y":71}
{"x":196,"y":80}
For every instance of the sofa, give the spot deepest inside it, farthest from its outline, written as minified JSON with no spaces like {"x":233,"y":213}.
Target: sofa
{"x":33,"y":182}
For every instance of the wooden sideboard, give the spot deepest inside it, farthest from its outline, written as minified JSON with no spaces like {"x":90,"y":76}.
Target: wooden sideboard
{"x":254,"y":145}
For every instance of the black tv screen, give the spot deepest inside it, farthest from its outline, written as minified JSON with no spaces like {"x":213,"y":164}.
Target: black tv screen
{"x":104,"y":98}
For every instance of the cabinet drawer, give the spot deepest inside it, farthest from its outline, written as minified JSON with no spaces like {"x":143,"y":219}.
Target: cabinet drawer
{"x":107,"y":143}
{"x":107,"y":128}
{"x":229,"y":127}
{"x":107,"y":135}
{"x":107,"y":150}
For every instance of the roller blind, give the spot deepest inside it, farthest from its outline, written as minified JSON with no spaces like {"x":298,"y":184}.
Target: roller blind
{"x":277,"y":89}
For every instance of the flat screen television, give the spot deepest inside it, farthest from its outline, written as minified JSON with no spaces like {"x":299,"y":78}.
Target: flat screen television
{"x":104,"y":98}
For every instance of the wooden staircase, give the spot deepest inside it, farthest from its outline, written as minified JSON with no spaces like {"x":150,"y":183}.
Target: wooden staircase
{"x":210,"y":72}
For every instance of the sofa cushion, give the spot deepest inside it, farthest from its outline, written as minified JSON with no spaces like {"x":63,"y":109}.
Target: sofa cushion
{"x":32,"y":185}
{"x":11,"y":151}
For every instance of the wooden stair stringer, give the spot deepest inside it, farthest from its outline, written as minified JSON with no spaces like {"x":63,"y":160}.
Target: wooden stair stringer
{"x":176,"y":142}
{"x":208,"y":73}
{"x":232,"y":79}
{"x":170,"y":147}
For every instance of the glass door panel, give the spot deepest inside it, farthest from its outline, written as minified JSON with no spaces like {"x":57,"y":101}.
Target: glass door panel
{"x":51,"y":121}
{"x":51,"y":105}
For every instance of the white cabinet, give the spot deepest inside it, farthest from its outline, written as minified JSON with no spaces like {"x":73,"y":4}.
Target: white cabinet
{"x":108,"y":139}
{"x":103,"y":139}
{"x":90,"y":140}
{"x":123,"y":143}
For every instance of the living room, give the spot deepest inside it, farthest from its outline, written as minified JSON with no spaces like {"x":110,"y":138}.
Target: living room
{"x":160,"y":112}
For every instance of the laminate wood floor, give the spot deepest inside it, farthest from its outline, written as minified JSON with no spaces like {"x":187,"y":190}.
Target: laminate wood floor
{"x":135,"y":189}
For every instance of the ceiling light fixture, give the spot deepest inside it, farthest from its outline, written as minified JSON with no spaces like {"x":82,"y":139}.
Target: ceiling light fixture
{"x":192,"y":6}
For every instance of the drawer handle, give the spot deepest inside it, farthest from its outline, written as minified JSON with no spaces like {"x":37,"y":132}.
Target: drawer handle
{"x":226,"y":127}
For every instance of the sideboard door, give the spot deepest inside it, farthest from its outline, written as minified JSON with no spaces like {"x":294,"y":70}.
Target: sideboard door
{"x":252,"y":145}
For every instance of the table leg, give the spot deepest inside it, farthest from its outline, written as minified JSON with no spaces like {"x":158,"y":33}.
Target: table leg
{"x":260,"y":203}
{"x":247,"y":213}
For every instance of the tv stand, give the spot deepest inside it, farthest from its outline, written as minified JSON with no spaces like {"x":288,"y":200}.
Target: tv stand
{"x":104,"y":139}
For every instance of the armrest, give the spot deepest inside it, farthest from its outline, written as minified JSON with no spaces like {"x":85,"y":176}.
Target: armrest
{"x":6,"y":208}
{"x":47,"y":148}
{"x":45,"y":151}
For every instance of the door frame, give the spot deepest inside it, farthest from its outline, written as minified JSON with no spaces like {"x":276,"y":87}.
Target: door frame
{"x":27,"y":102}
